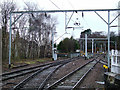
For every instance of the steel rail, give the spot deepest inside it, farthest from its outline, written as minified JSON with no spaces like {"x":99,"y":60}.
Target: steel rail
{"x":8,"y":73}
{"x":48,"y":77}
{"x":66,"y":76}
{"x":103,"y":62}
{"x":22,"y":83}
{"x":83,"y":77}
{"x":19,"y":66}
{"x":28,"y":78}
{"x":27,"y":70}
{"x":20,"y":74}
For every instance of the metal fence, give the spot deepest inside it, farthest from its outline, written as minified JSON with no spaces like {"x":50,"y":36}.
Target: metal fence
{"x":115,"y":61}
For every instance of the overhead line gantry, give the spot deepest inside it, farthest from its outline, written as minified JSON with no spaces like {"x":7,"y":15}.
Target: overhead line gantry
{"x":53,"y":11}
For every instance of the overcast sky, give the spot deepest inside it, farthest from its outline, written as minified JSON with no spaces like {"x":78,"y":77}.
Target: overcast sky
{"x":90,"y":19}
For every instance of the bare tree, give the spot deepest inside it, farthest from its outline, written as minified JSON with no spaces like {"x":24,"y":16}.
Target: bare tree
{"x":40,"y":26}
{"x":31,"y":34}
{"x":6,"y":8}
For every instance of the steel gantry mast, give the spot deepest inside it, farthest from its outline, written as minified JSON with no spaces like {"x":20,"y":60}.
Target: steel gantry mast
{"x":53,"y":11}
{"x":93,"y":39}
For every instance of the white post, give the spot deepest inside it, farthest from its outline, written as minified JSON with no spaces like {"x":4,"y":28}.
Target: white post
{"x":116,"y":54}
{"x":112,"y":57}
{"x":95,"y":47}
{"x":115,"y":45}
{"x":86,"y":45}
{"x":112,"y":60}
{"x":10,"y":32}
{"x":101,"y":47}
{"x":108,"y":39}
{"x":83,"y":46}
{"x":92,"y":46}
{"x":115,"y":66}
{"x":105,"y":47}
{"x":52,"y":44}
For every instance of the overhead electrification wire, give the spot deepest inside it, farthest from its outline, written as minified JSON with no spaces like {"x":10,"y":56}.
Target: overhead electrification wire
{"x":70,"y":4}
{"x":54,"y":4}
{"x":84,"y":19}
{"x":73,"y":9}
{"x":65,"y":14}
{"x":58,"y":7}
{"x":61,"y":36}
{"x":78,"y":13}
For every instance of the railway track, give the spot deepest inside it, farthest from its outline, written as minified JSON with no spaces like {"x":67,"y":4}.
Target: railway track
{"x":74,"y":78}
{"x":38,"y":79}
{"x":103,"y":62}
{"x":31,"y":70}
{"x":21,"y":72}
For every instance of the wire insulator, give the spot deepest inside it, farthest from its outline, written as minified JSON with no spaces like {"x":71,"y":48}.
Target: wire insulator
{"x":82,"y":14}
{"x":45,"y":14}
{"x":76,"y":11}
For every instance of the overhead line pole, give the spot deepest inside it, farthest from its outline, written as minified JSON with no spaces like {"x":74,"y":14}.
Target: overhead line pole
{"x":114,"y":42}
{"x":92,"y":46}
{"x":86,"y":46}
{"x":109,"y":39}
{"x":10,"y":40}
{"x":93,"y":41}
